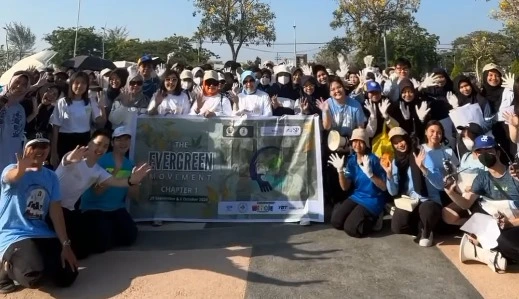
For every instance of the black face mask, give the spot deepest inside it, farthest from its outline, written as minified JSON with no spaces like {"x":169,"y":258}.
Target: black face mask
{"x":487,"y":159}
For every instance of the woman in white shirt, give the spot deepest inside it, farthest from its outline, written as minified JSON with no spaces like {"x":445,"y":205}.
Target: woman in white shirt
{"x":211,"y":102}
{"x":72,"y":117}
{"x":251,"y":101}
{"x":169,"y":99}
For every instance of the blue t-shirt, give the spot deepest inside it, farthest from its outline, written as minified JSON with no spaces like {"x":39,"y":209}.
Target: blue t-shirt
{"x":483,"y":185}
{"x":150,"y":86}
{"x":436,"y":172}
{"x":365,"y":192}
{"x":24,"y":206}
{"x":347,"y":117}
{"x":113,"y":198}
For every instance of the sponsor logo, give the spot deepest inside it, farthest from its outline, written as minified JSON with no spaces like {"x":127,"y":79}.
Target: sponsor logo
{"x":229,"y":208}
{"x":262,"y":208}
{"x":242,"y":208}
{"x":283,"y":208}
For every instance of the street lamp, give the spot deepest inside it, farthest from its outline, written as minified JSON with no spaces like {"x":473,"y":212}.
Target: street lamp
{"x":6,"y":49}
{"x":295,"y":43}
{"x":104,"y":37}
{"x":77,"y":25}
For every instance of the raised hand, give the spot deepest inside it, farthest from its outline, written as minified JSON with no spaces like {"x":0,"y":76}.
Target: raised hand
{"x":420,"y":158}
{"x":337,"y":162}
{"x":422,"y":111}
{"x":304,"y":104}
{"x":415,"y":82}
{"x":323,"y":105}
{"x":393,"y":77}
{"x":365,"y":166}
{"x":508,"y":81}
{"x":371,"y":108}
{"x":161,"y":69}
{"x":383,"y":106}
{"x":307,"y":70}
{"x":405,"y":111}
{"x":379,"y":78}
{"x":275,"y":102}
{"x":429,"y":81}
{"x":452,"y":99}
{"x":139,"y":173}
{"x":77,"y":154}
{"x":26,"y":162}
{"x":511,"y":118}
{"x":159,"y":97}
{"x":388,"y":167}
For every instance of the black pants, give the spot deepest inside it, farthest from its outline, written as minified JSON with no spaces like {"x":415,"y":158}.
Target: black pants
{"x":425,"y":216}
{"x":30,"y":260}
{"x":353,"y":218}
{"x":75,"y":231}
{"x":508,"y":243}
{"x":68,"y":142}
{"x":109,"y":229}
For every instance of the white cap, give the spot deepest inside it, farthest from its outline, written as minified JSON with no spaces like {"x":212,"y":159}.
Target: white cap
{"x":282,"y":68}
{"x":120,"y":131}
{"x":186,"y":74}
{"x":396,"y":131}
{"x":105,"y":72}
{"x":211,"y":75}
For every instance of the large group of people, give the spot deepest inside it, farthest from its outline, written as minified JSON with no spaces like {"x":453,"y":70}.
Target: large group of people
{"x":65,"y":137}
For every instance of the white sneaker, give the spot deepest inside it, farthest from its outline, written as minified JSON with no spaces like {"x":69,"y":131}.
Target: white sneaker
{"x":305,"y":221}
{"x":426,"y":242}
{"x":380,"y":223}
{"x":496,"y":261}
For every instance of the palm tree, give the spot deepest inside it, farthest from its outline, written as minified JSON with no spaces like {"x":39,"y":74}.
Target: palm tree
{"x":20,"y":38}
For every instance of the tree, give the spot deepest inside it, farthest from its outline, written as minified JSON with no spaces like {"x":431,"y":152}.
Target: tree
{"x":508,"y":12}
{"x":20,"y":38}
{"x":62,"y":41}
{"x":366,"y":20}
{"x":479,"y":48}
{"x":235,"y":22}
{"x":328,"y":54}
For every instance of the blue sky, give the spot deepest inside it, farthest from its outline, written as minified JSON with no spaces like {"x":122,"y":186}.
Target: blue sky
{"x":161,"y":18}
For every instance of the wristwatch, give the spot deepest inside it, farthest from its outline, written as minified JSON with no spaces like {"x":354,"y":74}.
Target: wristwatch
{"x":66,"y":242}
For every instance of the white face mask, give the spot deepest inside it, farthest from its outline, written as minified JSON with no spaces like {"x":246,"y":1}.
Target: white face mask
{"x":198,"y":81}
{"x":265,"y":81}
{"x":283,"y":79}
{"x":186,"y":85}
{"x":469,"y":143}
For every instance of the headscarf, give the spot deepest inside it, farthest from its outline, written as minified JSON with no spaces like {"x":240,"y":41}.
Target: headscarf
{"x":437,"y":96}
{"x":244,"y":75}
{"x":312,"y":99}
{"x":113,"y":93}
{"x":17,"y":75}
{"x":473,"y":98}
{"x":493,"y":94}
{"x":403,"y":161}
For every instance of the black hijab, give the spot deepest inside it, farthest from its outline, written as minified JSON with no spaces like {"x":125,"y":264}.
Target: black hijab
{"x":113,"y":93}
{"x":473,"y":98}
{"x":312,"y":99}
{"x":493,"y":94}
{"x":403,"y":161}
{"x":437,"y":96}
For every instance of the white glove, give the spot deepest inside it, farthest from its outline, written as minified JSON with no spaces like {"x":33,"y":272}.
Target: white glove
{"x":405,"y":111}
{"x":337,"y":162}
{"x":161,"y":69}
{"x":235,"y":88}
{"x":366,"y":166}
{"x":415,"y":82}
{"x":379,"y":78}
{"x":429,"y":81}
{"x":227,"y":70}
{"x":363,"y":75}
{"x":343,"y":66}
{"x":508,"y":81}
{"x":371,"y":108}
{"x":383,"y":108}
{"x":197,"y":94}
{"x":422,"y":111}
{"x":307,"y":70}
{"x":393,"y":77}
{"x":453,"y":100}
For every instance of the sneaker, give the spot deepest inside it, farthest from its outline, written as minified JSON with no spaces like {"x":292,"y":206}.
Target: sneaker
{"x":426,"y":242}
{"x":7,"y":285}
{"x":305,"y":221}
{"x":157,"y":223}
{"x":380,"y":223}
{"x":497,"y":262}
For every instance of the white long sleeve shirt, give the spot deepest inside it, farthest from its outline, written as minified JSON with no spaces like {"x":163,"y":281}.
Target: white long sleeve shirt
{"x":219,"y":104}
{"x":257,"y":104}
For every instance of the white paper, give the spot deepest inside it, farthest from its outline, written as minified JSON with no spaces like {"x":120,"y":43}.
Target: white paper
{"x":495,"y":207}
{"x":464,"y":115}
{"x":485,"y":228}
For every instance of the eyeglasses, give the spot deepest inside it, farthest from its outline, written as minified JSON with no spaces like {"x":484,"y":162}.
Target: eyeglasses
{"x":136,"y":83}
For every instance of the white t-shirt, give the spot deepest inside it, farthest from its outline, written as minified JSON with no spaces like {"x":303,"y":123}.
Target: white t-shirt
{"x":220,"y":105}
{"x":257,"y":104}
{"x":76,"y":117}
{"x":76,"y":178}
{"x":172,"y":104}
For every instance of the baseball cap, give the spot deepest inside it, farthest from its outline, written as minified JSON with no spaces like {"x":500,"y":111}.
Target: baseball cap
{"x":37,"y":141}
{"x":120,"y":131}
{"x":472,"y":128}
{"x":373,"y":86}
{"x":186,"y":74}
{"x":145,"y":59}
{"x":484,"y":142}
{"x":360,"y":134}
{"x":208,"y":75}
{"x":396,"y":131}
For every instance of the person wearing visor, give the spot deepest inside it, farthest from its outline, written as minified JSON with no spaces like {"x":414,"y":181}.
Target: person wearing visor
{"x":211,"y":102}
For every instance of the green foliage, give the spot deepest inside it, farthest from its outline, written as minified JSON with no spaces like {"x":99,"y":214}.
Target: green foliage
{"x":328,"y":54}
{"x":235,"y":22}
{"x":62,"y":39}
{"x":514,"y":67}
{"x":456,"y":71}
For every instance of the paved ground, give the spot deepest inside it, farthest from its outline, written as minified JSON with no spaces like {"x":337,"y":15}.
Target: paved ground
{"x":279,"y":261}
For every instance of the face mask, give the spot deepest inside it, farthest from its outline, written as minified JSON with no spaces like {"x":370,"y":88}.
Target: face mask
{"x":265,"y":81}
{"x":487,"y":159}
{"x":469,"y":143}
{"x":197,"y":81}
{"x":185,"y":85}
{"x":283,"y":79}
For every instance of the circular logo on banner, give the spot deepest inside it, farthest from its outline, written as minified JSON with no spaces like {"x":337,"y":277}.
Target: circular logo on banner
{"x":230,"y":131}
{"x":243,"y":131}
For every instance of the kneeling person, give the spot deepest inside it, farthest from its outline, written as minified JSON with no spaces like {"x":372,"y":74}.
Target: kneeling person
{"x":104,"y":207}
{"x":29,"y":249}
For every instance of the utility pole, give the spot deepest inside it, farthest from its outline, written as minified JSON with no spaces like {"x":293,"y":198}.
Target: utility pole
{"x":6,"y":50}
{"x":295,"y":44}
{"x":104,"y":37}
{"x":77,"y":25}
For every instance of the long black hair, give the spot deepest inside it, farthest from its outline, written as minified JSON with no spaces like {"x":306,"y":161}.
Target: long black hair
{"x":178,"y":89}
{"x":71,"y":94}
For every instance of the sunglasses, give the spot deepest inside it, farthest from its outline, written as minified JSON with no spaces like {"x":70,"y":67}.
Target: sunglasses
{"x":212,"y":82}
{"x":136,"y":83}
